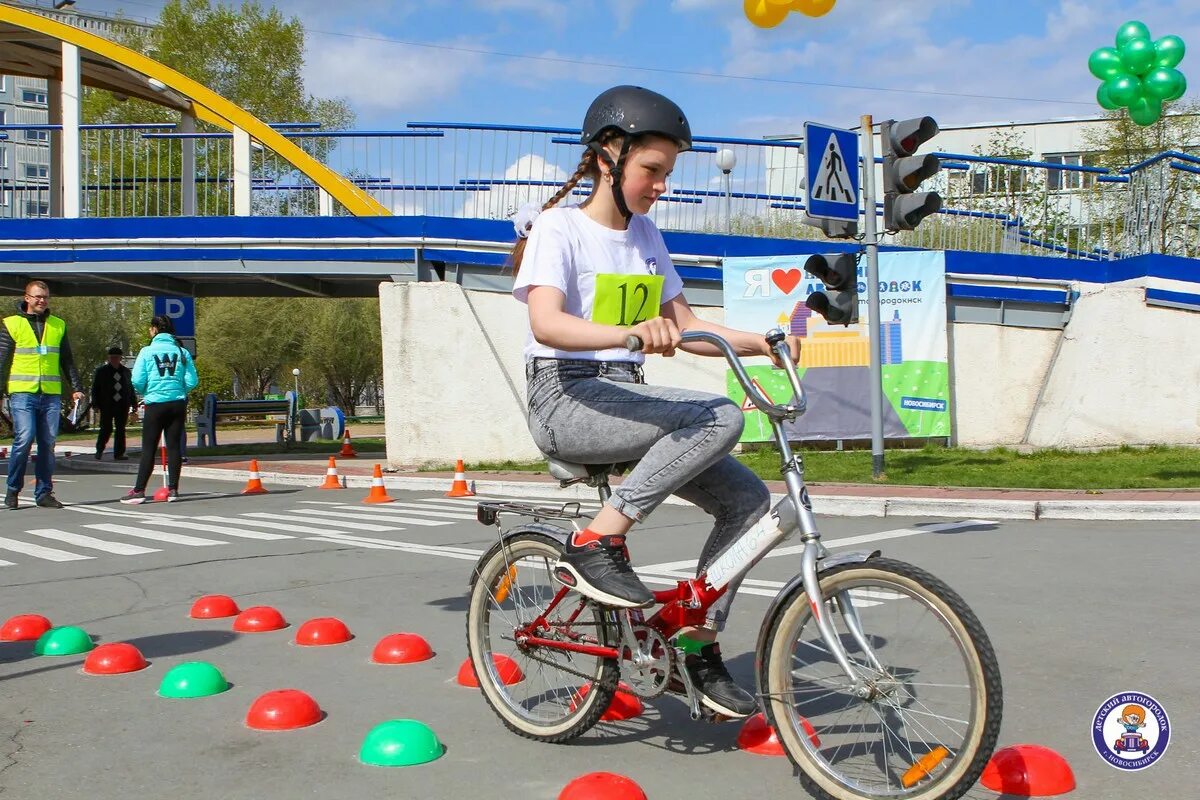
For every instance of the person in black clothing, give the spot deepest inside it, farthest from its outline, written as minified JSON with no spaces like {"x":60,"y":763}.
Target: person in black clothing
{"x":112,"y":394}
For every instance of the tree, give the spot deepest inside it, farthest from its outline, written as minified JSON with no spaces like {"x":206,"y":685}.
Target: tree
{"x":95,"y":324}
{"x":1158,"y":210}
{"x":342,"y":344}
{"x":252,"y":338}
{"x":253,"y":57}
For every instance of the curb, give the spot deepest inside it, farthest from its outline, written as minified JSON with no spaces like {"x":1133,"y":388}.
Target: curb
{"x":825,"y":504}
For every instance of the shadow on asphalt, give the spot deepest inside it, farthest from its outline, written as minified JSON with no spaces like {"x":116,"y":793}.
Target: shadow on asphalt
{"x":456,"y":602}
{"x":953,"y":531}
{"x":159,"y":645}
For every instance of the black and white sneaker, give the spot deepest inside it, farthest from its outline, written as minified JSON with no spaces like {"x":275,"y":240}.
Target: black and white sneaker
{"x":134,"y":498}
{"x":718,"y":690}
{"x":598,"y":567}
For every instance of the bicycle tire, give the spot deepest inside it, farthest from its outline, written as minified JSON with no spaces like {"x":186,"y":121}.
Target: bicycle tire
{"x":571,"y":712}
{"x":813,"y":757}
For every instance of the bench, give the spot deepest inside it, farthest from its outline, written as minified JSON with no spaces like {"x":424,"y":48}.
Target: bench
{"x":290,"y":422}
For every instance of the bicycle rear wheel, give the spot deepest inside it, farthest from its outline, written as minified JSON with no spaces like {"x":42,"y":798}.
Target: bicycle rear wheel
{"x":561,"y":694}
{"x":929,"y":723}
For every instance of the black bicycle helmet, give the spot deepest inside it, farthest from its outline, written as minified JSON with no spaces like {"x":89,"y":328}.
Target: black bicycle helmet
{"x":634,"y":111}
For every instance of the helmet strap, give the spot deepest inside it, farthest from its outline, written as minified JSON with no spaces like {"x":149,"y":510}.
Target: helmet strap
{"x":615,"y":171}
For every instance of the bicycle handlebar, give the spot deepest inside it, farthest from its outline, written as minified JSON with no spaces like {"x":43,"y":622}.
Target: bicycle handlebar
{"x":778,"y":342}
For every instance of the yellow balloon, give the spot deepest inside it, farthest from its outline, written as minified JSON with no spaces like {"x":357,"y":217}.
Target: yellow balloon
{"x":813,"y":8}
{"x":780,"y":2}
{"x":763,"y":13}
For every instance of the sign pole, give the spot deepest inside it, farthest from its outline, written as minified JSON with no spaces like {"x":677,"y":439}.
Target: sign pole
{"x":871,"y":244}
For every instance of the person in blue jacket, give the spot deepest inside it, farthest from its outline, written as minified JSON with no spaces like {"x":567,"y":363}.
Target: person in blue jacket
{"x":163,"y":374}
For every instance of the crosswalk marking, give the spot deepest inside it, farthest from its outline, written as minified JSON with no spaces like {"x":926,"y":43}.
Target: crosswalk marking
{"x":4,"y":563}
{"x":370,"y":513}
{"x":158,"y":536}
{"x":222,"y":529}
{"x":385,"y":544}
{"x":409,"y":508}
{"x":78,"y":539}
{"x":262,"y":523}
{"x":38,"y":551}
{"x":354,"y":526}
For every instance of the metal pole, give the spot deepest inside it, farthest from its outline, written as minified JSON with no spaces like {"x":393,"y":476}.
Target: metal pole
{"x":871,"y":242}
{"x":728,"y":202}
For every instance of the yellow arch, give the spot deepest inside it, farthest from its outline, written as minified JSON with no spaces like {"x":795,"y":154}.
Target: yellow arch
{"x":207,"y":105}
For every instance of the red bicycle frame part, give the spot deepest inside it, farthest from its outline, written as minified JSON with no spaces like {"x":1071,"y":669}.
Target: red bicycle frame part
{"x":684,"y":606}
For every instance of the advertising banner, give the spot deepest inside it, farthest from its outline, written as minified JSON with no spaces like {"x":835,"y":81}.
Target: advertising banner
{"x":762,"y":293}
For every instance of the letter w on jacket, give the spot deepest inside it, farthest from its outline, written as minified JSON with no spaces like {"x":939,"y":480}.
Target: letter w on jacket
{"x":164,"y":371}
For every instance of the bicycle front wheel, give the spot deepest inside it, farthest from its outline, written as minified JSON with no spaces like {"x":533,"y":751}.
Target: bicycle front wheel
{"x":921,"y":721}
{"x":539,"y":691}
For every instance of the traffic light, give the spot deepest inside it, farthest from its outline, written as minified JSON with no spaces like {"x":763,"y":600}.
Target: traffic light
{"x":833,"y":228}
{"x":838,"y":304}
{"x":903,"y":206}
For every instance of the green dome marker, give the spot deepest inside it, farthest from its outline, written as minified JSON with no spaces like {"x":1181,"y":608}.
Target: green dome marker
{"x":65,"y":641}
{"x":192,"y":679}
{"x":400,"y":743}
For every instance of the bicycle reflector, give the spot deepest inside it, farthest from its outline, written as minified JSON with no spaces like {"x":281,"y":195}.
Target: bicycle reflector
{"x":838,"y":304}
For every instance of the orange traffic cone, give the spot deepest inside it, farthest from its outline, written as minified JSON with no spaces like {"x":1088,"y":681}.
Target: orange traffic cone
{"x":347,"y":450}
{"x":331,"y":476}
{"x":378,"y":493}
{"x":459,"y":488}
{"x":254,"y":485}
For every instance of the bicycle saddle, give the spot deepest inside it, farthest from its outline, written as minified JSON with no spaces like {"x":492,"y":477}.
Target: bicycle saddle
{"x":568,"y":473}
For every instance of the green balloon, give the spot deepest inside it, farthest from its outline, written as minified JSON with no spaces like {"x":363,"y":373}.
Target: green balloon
{"x":1123,"y":89}
{"x":1131,"y":30}
{"x":1104,"y":100}
{"x":1180,"y":90}
{"x":1146,"y":111}
{"x":1164,"y":83}
{"x":1168,"y":51}
{"x":1138,"y":56}
{"x":1105,"y":62}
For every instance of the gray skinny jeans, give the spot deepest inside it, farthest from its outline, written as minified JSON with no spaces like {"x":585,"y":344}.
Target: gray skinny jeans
{"x":601,"y":412}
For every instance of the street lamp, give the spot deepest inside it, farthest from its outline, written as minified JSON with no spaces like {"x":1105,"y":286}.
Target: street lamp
{"x":296,"y":378}
{"x":726,"y":161}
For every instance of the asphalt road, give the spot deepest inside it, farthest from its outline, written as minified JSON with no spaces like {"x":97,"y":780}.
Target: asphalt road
{"x":1076,"y":611}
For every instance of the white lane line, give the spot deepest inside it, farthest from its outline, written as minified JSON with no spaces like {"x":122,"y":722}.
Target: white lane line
{"x":78,"y":539}
{"x":549,"y":502}
{"x":240,"y":533}
{"x":320,"y":503}
{"x":158,"y":536}
{"x":410,"y":508}
{"x":897,"y":533}
{"x":354,"y":526}
{"x":38,"y":551}
{"x":380,"y":544}
{"x":369,"y":513}
{"x":432,"y":548}
{"x":274,"y":526}
{"x":4,"y":563}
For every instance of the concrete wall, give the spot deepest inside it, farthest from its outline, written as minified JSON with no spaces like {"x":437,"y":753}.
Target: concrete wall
{"x":1121,"y":373}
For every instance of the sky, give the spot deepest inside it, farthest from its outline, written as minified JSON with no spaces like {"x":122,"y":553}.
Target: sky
{"x":539,"y":62}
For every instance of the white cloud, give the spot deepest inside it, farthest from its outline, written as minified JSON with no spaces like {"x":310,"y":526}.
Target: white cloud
{"x":503,"y":200}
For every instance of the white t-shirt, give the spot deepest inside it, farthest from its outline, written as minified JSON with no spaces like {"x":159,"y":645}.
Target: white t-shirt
{"x":567,"y":249}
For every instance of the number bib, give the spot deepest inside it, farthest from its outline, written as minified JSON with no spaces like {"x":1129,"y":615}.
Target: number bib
{"x":626,"y":299}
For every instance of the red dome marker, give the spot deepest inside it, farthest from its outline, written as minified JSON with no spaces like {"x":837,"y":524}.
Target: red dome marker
{"x":24,"y":627}
{"x":283,"y":710}
{"x":402,"y":648}
{"x":756,"y":736}
{"x":213,"y":606}
{"x":510,"y":673}
{"x":1028,"y":770}
{"x":259,"y":619}
{"x":114,"y":658}
{"x":323,"y":631}
{"x":602,"y":786}
{"x":625,"y":704}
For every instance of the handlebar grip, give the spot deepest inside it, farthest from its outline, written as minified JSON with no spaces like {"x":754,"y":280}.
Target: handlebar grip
{"x":633,"y":343}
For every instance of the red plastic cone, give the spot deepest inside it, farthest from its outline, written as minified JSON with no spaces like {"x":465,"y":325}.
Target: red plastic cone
{"x":254,"y":485}
{"x":283,"y":710}
{"x":602,"y":786}
{"x":331,"y":476}
{"x":323,"y":631}
{"x":24,"y":628}
{"x":114,"y":658}
{"x":259,"y":619}
{"x":1028,"y":770}
{"x":459,"y":488}
{"x":625,"y":704}
{"x":756,"y":736}
{"x":378,"y":493}
{"x":401,"y":648}
{"x":347,"y":450}
{"x":214,"y":606}
{"x":510,"y":673}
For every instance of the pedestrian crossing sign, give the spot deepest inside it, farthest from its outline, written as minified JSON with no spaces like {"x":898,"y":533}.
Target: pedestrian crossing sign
{"x":831,"y":166}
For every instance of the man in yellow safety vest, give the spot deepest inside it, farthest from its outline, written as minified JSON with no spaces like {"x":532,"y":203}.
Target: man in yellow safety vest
{"x":33,"y":354}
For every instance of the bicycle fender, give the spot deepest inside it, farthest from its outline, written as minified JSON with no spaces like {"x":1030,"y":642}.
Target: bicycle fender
{"x":543,"y":528}
{"x":797,"y":582}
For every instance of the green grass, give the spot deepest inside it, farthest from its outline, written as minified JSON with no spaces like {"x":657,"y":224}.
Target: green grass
{"x":320,"y":447}
{"x":1121,"y":468}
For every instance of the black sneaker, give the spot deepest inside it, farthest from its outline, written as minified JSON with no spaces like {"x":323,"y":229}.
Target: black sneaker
{"x":120,"y":458}
{"x":598,"y":567}
{"x":134,"y":498}
{"x":10,"y":501}
{"x":48,"y":500}
{"x":98,"y":456}
{"x":717,"y":688}
{"x":172,"y":495}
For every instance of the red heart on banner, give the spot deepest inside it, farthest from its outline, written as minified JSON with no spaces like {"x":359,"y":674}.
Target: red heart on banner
{"x":786,"y":279}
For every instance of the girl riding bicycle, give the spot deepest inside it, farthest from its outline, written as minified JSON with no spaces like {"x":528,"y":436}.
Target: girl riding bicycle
{"x":591,"y":275}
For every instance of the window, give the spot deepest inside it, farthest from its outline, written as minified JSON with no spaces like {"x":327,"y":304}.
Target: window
{"x":33,"y":96}
{"x":37,"y":136}
{"x":37,"y":171}
{"x":979,"y":182}
{"x":3,"y":112}
{"x":37,"y":208}
{"x":3,"y":158}
{"x":1060,"y":180}
{"x":5,"y":198}
{"x":3,"y":83}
